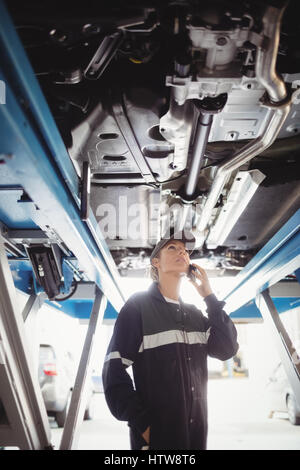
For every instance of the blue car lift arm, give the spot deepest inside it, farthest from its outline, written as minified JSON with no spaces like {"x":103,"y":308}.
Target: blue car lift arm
{"x":34,"y":160}
{"x":33,"y":151}
{"x":279,"y":258}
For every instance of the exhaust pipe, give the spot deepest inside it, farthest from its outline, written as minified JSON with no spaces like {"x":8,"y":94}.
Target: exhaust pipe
{"x":207,"y":108}
{"x":278,"y":102}
{"x":265,"y":67}
{"x":201,"y":138}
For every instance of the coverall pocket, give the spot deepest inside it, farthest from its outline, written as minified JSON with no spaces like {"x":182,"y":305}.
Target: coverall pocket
{"x":137,"y":441}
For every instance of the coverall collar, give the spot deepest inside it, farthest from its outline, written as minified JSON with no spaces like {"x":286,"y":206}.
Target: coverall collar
{"x":155,"y":292}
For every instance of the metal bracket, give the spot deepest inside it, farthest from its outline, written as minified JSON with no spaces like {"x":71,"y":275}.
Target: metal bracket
{"x":85,"y":190}
{"x":103,"y":55}
{"x":130,"y":139}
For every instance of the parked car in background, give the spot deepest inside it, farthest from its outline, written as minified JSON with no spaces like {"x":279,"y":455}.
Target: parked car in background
{"x":281,"y":396}
{"x":97,"y":383}
{"x":215,"y":368}
{"x":56,"y":374}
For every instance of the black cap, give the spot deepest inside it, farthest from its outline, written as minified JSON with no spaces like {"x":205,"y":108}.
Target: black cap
{"x":184,"y":236}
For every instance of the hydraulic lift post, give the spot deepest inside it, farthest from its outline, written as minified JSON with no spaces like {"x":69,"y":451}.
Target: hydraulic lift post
{"x":272,"y":275}
{"x":33,"y":304}
{"x":77,"y":408}
{"x":286,"y":350}
{"x":25,"y":423}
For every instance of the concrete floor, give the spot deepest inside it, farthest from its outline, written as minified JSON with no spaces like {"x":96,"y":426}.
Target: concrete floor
{"x":238,"y":420}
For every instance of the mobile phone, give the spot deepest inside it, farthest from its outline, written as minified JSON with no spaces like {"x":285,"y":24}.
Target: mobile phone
{"x":190,"y":273}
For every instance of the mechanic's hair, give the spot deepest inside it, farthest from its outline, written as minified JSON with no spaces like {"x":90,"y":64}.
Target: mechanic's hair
{"x":154,"y":271}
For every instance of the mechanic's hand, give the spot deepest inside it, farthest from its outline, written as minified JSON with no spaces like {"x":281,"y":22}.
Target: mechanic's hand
{"x":146,"y":435}
{"x":204,"y":287}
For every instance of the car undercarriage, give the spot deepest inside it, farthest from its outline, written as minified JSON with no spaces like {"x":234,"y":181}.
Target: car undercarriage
{"x":186,"y":114}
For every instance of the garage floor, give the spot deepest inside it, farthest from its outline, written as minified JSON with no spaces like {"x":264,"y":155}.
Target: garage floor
{"x":238,"y":420}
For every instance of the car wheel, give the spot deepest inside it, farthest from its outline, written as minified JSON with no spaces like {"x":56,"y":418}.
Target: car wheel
{"x":89,"y":412}
{"x":292,"y":410}
{"x":61,"y":416}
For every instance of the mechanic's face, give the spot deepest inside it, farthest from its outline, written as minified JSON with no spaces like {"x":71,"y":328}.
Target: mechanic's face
{"x":173,"y":257}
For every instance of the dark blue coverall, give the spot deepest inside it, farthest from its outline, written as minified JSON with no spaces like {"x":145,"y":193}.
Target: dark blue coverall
{"x":167,"y":346}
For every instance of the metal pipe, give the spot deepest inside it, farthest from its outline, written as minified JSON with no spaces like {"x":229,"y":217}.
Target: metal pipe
{"x":183,"y":220}
{"x":275,"y":121}
{"x":265,"y":67}
{"x":265,"y":71}
{"x":203,"y":129}
{"x":207,"y":108}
